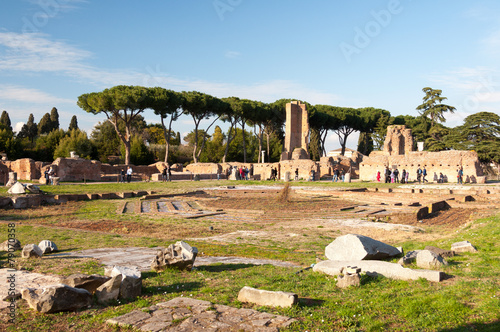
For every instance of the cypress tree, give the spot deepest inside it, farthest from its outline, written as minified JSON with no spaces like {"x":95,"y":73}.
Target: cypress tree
{"x":73,"y":124}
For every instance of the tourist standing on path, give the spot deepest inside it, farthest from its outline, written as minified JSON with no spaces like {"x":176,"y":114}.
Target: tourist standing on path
{"x":407,"y":176}
{"x":393,"y":176}
{"x":378,"y":176}
{"x":129,"y":174}
{"x":218,"y":173}
{"x":460,"y":176}
{"x":122,"y":176}
{"x":403,"y":176}
{"x":169,"y":173}
{"x":296,"y":174}
{"x":164,"y":175}
{"x":424,"y":174}
{"x":387,"y":175}
{"x":47,"y":177}
{"x":396,"y":175}
{"x":342,"y":174}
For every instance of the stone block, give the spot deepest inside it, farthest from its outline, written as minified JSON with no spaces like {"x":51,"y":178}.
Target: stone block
{"x":31,"y":251}
{"x":57,"y":298}
{"x":267,"y":298}
{"x":179,"y":255}
{"x":463,"y":246}
{"x":348,"y":280}
{"x":110,"y":290}
{"x":10,"y":245}
{"x":427,"y":259}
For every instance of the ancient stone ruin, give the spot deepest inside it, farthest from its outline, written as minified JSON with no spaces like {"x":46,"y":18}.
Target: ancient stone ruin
{"x":398,"y":153}
{"x":296,"y":132}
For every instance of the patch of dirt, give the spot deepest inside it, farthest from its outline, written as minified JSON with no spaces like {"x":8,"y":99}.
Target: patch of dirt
{"x":451,"y":218}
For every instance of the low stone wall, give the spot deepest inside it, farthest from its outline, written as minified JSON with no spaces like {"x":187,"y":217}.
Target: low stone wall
{"x":202,"y":168}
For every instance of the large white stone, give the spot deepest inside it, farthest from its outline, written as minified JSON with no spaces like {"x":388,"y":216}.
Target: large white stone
{"x":17,"y":189}
{"x":359,"y":247}
{"x":379,"y":268}
{"x":47,"y":246}
{"x":464,"y":246}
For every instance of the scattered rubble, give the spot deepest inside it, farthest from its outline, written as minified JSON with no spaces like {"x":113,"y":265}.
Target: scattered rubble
{"x":378,"y":268}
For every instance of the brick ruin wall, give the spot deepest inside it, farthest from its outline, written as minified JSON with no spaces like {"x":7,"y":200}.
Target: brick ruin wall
{"x":446,"y":162}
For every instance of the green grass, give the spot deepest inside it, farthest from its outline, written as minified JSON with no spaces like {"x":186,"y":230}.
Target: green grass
{"x":470,"y":301}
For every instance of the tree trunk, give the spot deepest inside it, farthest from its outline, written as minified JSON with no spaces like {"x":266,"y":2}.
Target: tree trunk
{"x":229,"y":139}
{"x":244,"y":143}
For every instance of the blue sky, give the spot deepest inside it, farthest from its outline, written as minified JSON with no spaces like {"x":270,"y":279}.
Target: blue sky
{"x":343,"y":53}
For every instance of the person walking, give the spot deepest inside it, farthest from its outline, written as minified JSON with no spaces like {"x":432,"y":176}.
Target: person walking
{"x":335,"y":175}
{"x":419,"y":175}
{"x":403,"y":176}
{"x":424,"y":174}
{"x":378,"y":176}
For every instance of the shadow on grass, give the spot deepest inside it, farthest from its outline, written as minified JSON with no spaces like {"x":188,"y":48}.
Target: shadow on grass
{"x":223,"y":267}
{"x":485,"y":327}
{"x":173,"y":288}
{"x":307,"y":302}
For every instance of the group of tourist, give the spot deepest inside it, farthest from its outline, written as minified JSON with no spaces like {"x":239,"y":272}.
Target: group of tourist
{"x":338,"y":174}
{"x":49,"y":175}
{"x":166,"y":174}
{"x":126,"y":175}
{"x":392,"y":176}
{"x":242,"y":173}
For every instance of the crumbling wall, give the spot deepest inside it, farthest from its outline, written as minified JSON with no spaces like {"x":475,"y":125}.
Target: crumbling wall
{"x":25,"y":168}
{"x":398,"y":141}
{"x":77,"y":169}
{"x":446,"y":162}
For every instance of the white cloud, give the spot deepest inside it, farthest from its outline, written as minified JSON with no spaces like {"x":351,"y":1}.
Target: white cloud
{"x":17,"y":93}
{"x":232,"y":54}
{"x":35,"y":53}
{"x":18,"y":126}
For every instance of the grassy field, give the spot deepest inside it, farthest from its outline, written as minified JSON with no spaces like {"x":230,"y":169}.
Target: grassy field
{"x":469,"y":301}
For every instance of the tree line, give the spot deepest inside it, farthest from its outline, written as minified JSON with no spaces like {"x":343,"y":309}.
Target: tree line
{"x":254,"y":126}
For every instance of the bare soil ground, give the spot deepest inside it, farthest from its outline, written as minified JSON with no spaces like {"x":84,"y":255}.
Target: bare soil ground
{"x":257,"y":216}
